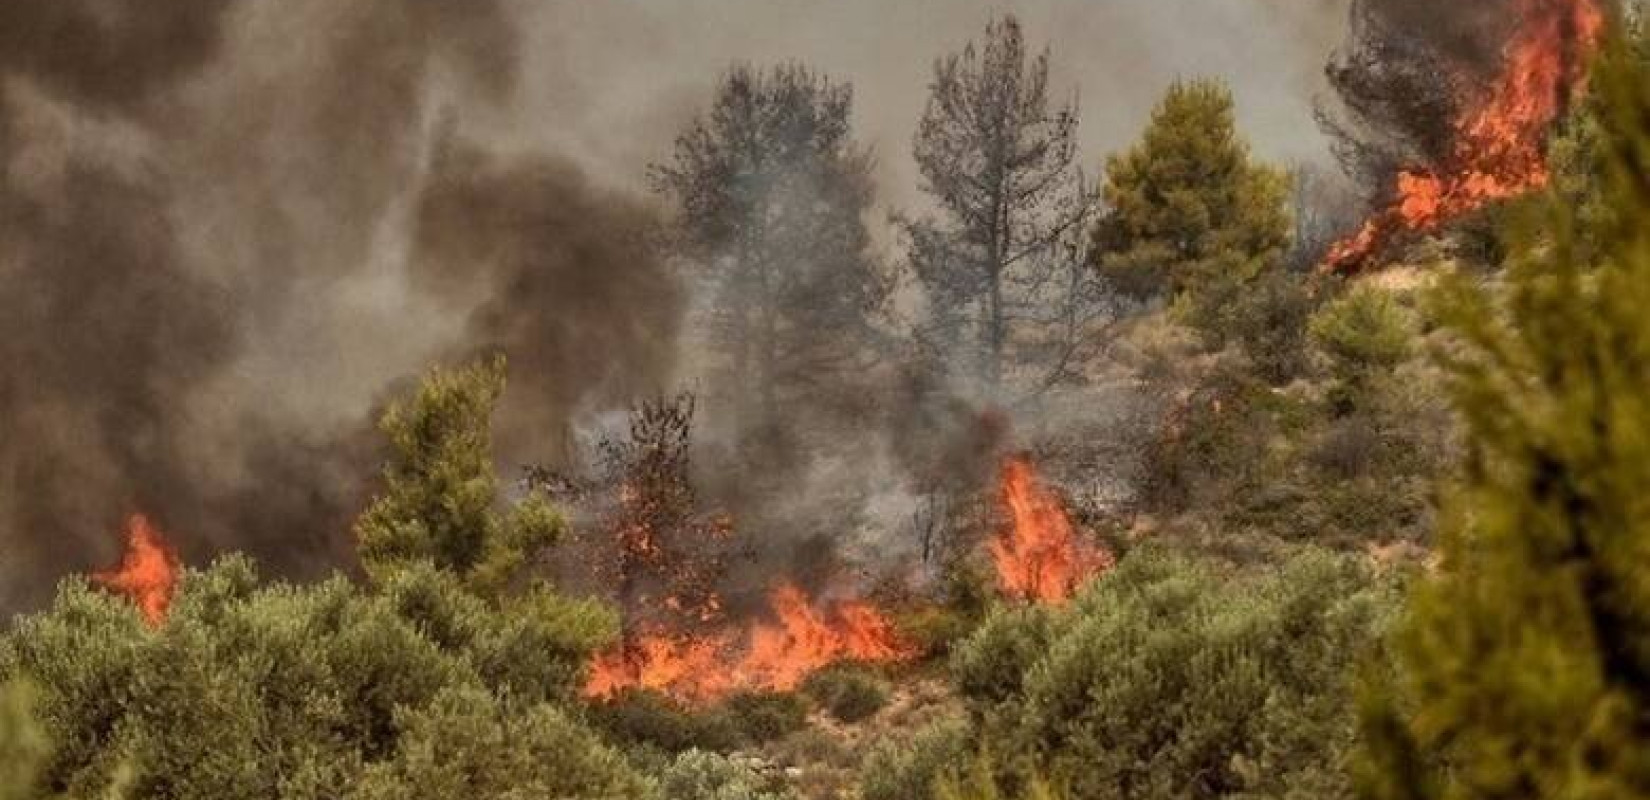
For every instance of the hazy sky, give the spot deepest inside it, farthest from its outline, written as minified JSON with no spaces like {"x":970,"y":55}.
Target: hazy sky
{"x":610,"y":81}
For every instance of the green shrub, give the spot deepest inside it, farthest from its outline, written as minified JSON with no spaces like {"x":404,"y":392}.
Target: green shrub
{"x":933,"y":630}
{"x":699,"y":775}
{"x":431,"y":681}
{"x":849,"y":692}
{"x":1177,"y":678}
{"x":910,"y":766}
{"x":1363,"y":332}
{"x":467,"y":744}
{"x":991,"y":665}
{"x":23,"y":744}
{"x":645,"y":717}
{"x":762,"y":717}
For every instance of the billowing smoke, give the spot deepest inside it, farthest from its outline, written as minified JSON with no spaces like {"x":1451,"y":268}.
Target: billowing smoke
{"x":228,"y":229}
{"x":104,"y":330}
{"x":577,"y":295}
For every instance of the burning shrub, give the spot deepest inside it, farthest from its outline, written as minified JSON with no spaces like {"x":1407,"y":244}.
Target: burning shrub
{"x":435,"y":676}
{"x":850,"y":692}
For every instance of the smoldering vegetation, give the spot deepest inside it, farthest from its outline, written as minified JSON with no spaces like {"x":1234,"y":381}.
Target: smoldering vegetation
{"x":230,"y":229}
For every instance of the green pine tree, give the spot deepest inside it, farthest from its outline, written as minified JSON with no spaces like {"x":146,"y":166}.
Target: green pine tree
{"x":440,"y":496}
{"x":1186,"y":207}
{"x":1524,"y":666}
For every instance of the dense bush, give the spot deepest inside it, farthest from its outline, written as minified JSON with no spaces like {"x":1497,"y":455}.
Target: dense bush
{"x":699,"y":775}
{"x":991,"y":665}
{"x":762,"y":717}
{"x":254,"y":689}
{"x":849,"y":692}
{"x":909,"y":766}
{"x":23,"y":745}
{"x":653,"y":719}
{"x":1177,"y":678}
{"x":448,"y":676}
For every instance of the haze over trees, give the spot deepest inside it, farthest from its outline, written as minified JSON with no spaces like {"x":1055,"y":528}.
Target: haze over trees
{"x":1009,"y":301}
{"x":772,"y":197}
{"x":1377,"y":537}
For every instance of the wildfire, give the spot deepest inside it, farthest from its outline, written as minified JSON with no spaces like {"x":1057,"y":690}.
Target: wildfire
{"x":768,"y":656}
{"x":1039,"y":556}
{"x":148,"y":572}
{"x":1500,"y":144}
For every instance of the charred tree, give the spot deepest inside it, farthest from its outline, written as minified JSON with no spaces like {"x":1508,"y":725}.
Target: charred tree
{"x":1002,"y":262}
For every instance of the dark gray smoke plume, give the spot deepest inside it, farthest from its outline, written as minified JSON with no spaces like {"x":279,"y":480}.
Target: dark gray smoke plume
{"x":104,"y":332}
{"x":227,"y":228}
{"x":577,"y":296}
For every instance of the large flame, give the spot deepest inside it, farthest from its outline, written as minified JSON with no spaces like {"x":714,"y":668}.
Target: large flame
{"x":1500,"y":143}
{"x":1039,"y":556}
{"x":776,"y":655}
{"x":148,"y":571}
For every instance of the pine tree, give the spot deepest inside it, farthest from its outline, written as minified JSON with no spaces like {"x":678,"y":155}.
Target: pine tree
{"x":438,"y":504}
{"x":1186,"y":207}
{"x":1524,"y":665}
{"x":1001,"y":265}
{"x":771,"y":195}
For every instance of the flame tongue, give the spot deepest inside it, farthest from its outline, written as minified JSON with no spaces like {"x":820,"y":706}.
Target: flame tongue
{"x":148,"y":572}
{"x":1040,"y":557}
{"x":1500,"y":144}
{"x":768,"y":656}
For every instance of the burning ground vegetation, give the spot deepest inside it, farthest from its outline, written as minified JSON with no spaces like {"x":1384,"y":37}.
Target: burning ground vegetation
{"x":1215,"y":480}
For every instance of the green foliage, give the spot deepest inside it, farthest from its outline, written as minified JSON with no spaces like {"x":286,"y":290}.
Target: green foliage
{"x":440,"y":488}
{"x":991,"y":665}
{"x":763,"y":717}
{"x":1177,"y":678}
{"x":910,"y":766}
{"x":255,"y":690}
{"x":979,"y":782}
{"x":24,"y":747}
{"x":1363,"y":333}
{"x":652,"y":719}
{"x":1268,"y":320}
{"x":850,"y":692}
{"x":1186,"y":207}
{"x":1524,"y":659}
{"x":699,"y":775}
{"x":432,"y":682}
{"x":466,"y":743}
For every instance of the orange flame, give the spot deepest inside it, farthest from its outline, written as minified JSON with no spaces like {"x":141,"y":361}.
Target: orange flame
{"x":1040,"y":557}
{"x":148,"y":571}
{"x":768,"y":656}
{"x":1500,"y":145}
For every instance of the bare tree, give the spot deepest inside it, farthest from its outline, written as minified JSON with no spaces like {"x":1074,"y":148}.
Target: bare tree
{"x":1009,"y":294}
{"x":646,"y":540}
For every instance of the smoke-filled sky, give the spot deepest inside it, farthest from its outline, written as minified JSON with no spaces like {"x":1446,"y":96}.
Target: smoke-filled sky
{"x":230,"y":228}
{"x":609,"y":81}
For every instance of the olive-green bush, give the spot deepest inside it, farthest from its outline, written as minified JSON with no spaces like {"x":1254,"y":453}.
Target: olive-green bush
{"x":1174,"y":677}
{"x":849,"y":692}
